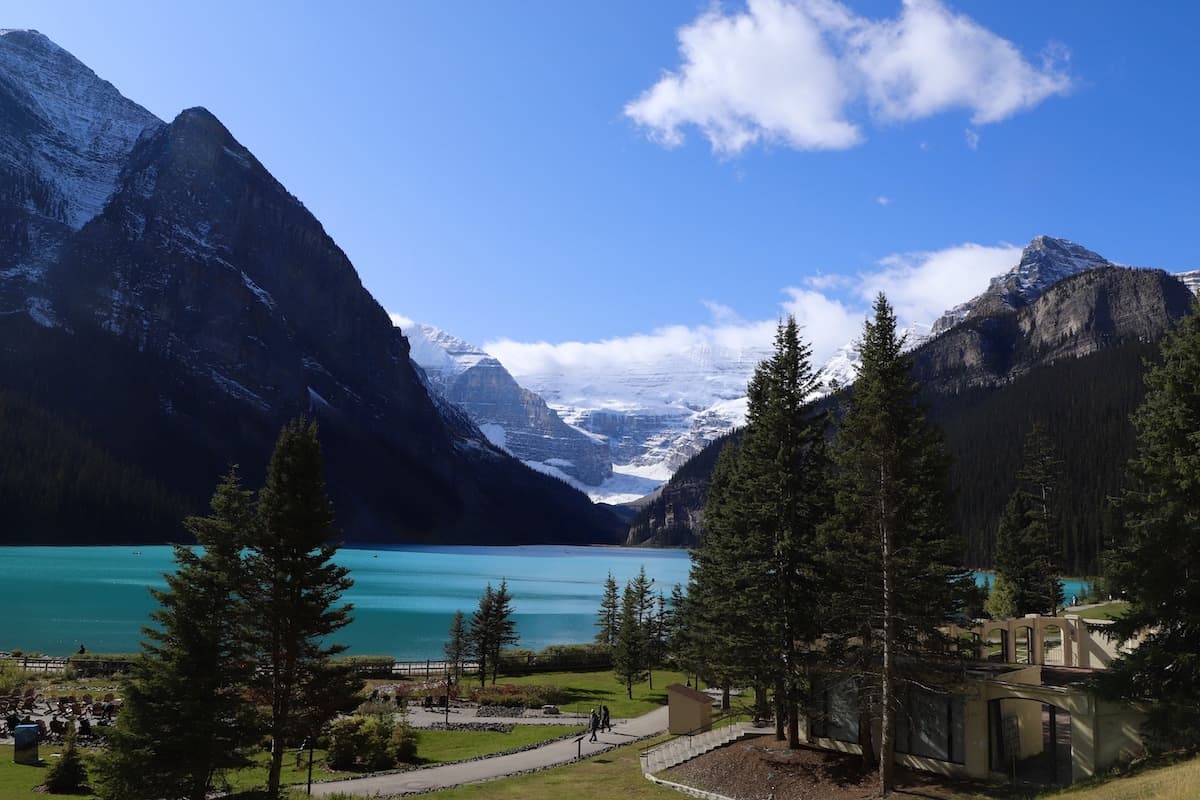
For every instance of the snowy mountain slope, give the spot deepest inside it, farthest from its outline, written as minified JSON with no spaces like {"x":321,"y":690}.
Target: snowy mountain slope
{"x":65,"y":135}
{"x":1191,"y":279}
{"x":513,"y":418}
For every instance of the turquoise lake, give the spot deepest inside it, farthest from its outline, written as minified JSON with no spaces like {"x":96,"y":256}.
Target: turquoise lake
{"x":55,"y":598}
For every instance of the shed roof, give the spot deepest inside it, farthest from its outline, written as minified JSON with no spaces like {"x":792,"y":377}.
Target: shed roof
{"x":690,"y":693}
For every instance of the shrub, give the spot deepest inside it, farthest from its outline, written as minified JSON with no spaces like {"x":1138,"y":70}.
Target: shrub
{"x":372,"y":742}
{"x":11,"y":676}
{"x":68,"y":773}
{"x":403,"y":744}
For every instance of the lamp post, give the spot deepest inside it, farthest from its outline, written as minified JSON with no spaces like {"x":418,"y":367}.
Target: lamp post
{"x":308,"y":745}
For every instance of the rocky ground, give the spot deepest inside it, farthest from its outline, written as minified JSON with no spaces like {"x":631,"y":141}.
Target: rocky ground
{"x":762,"y":768}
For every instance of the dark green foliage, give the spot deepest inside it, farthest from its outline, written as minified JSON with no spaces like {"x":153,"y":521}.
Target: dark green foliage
{"x":1084,"y":405}
{"x":517,"y":696}
{"x":888,"y":541}
{"x":57,"y":480}
{"x":292,"y":593}
{"x":756,"y":575}
{"x":631,"y":651}
{"x":185,"y":717}
{"x":1027,"y":541}
{"x":608,"y":619}
{"x":68,"y":774}
{"x":492,"y":630}
{"x":1155,"y":562}
{"x":458,"y":645}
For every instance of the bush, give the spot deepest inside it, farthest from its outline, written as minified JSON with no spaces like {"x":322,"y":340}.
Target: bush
{"x":403,"y":745}
{"x":372,"y":742}
{"x":11,"y":676}
{"x":556,"y":658}
{"x":68,"y":773}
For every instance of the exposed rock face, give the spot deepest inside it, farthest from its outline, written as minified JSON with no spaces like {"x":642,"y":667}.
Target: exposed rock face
{"x":512,"y":417}
{"x":1076,"y":316}
{"x":197,"y":306}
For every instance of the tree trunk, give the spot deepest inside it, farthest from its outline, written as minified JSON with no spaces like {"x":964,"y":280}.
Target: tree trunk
{"x":887,"y":695}
{"x":724,"y":694}
{"x":780,"y":713}
{"x":793,"y":725}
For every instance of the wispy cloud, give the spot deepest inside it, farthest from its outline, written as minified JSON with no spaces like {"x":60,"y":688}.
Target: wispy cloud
{"x":797,"y":72}
{"x":972,"y":137}
{"x":883,"y":200}
{"x":830,"y":307}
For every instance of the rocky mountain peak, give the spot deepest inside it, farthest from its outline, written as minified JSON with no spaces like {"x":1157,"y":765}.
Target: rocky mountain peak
{"x":1044,"y":261}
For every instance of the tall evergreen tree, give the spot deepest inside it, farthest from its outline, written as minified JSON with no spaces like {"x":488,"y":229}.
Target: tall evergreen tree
{"x":888,"y":538}
{"x":1028,"y":540}
{"x":643,"y":590}
{"x":185,"y":718}
{"x":629,"y":655}
{"x":492,"y":629}
{"x":457,"y":645}
{"x":1156,"y":560}
{"x":482,"y":634}
{"x":760,"y":559}
{"x":293,"y":590}
{"x":608,"y":619}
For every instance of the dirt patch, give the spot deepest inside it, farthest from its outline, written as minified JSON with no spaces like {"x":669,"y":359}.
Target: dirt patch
{"x":762,"y":768}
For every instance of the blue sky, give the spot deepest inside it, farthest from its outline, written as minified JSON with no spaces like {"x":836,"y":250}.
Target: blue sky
{"x":555,"y":172}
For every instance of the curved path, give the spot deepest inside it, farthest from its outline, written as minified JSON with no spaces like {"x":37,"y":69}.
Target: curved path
{"x":551,"y":754}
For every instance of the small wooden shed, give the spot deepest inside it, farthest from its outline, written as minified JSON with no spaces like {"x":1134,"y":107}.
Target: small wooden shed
{"x":688,"y":709}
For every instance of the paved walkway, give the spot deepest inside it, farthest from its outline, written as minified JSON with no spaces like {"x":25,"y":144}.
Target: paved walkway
{"x":426,"y":718}
{"x":562,"y":751}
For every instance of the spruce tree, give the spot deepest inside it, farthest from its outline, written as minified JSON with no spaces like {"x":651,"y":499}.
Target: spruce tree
{"x":760,"y":559}
{"x":629,"y":655}
{"x":1155,"y":563}
{"x":482,"y":635}
{"x":457,"y":645}
{"x":504,"y":628}
{"x":185,"y":718}
{"x":293,"y":593}
{"x":1027,"y":540}
{"x":888,"y":539}
{"x":608,"y":619}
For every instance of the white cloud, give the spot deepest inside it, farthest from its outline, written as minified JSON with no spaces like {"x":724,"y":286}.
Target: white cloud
{"x":401,"y":321}
{"x":922,"y":285}
{"x":720,"y":313}
{"x":793,"y":72}
{"x":972,"y":138}
{"x":883,"y":200}
{"x":829,"y":307}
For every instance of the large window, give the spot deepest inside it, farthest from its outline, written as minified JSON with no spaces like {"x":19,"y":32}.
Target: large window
{"x":931,"y":725}
{"x":835,"y":715}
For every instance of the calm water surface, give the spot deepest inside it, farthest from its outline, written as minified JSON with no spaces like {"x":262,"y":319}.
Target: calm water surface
{"x":55,"y":598}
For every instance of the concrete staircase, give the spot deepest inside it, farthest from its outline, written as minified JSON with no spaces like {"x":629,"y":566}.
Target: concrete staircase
{"x":683,"y":748}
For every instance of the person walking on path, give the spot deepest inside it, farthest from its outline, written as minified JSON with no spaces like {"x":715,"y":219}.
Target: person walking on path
{"x":605,"y":719}
{"x":594,"y":724}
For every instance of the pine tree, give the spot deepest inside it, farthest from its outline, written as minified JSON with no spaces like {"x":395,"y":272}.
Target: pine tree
{"x":760,"y":560}
{"x":1027,"y":540}
{"x":482,"y":633}
{"x":1156,"y":561}
{"x":185,"y":717}
{"x":629,"y":656}
{"x":609,"y":617}
{"x":503,"y":626}
{"x":293,"y":591}
{"x":68,"y":774}
{"x":457,"y":645}
{"x":888,"y":538}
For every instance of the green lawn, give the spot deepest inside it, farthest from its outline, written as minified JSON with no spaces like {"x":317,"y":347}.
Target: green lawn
{"x":440,"y":747}
{"x":1106,"y":611}
{"x":587,"y":690}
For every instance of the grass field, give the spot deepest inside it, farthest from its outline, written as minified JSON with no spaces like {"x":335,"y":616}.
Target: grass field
{"x":440,"y":747}
{"x":1106,"y":611}
{"x":587,"y":690}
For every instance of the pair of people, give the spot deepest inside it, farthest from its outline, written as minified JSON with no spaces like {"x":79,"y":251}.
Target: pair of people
{"x":599,"y":721}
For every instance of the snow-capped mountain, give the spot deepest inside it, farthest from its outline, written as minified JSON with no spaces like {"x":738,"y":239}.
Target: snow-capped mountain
{"x":513,"y":418}
{"x":1191,"y":279}
{"x":654,"y":414}
{"x":162,"y":291}
{"x":64,"y":136}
